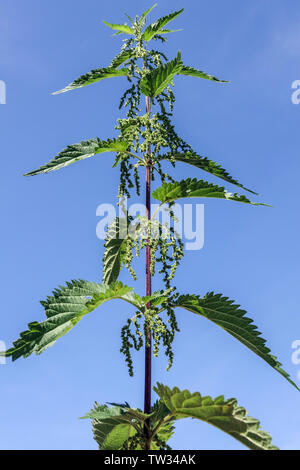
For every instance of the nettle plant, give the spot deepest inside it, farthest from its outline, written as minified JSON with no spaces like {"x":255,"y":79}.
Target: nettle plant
{"x":147,"y":139}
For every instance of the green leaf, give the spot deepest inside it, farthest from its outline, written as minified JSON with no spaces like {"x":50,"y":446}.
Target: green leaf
{"x":147,"y":13}
{"x":122,"y":28}
{"x":155,"y":28}
{"x":129,"y":17}
{"x":169,"y":192}
{"x":205,"y":164}
{"x":93,"y":77}
{"x":165,"y":432}
{"x":157,"y":297}
{"x":229,"y":316}
{"x":81,"y":151}
{"x":159,"y":412}
{"x":167,"y":31}
{"x":111,"y":426}
{"x":115,"y":249}
{"x":198,"y":73}
{"x":122,"y":57}
{"x":64,"y":309}
{"x":156,"y":81}
{"x":226,"y":415}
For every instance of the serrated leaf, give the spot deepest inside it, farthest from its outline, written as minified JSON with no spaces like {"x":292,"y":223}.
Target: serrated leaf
{"x":64,"y":309}
{"x":111,"y":426}
{"x":155,"y":28}
{"x":94,"y":76}
{"x":205,"y":164}
{"x":198,"y":73}
{"x":159,"y":412}
{"x":229,"y":316}
{"x":115,"y":249}
{"x":122,"y":411}
{"x":157,"y":297}
{"x":169,"y":192}
{"x":81,"y":151}
{"x":122,"y":57}
{"x":161,"y":424}
{"x":158,"y":79}
{"x":129,"y":17}
{"x":167,"y":31}
{"x":147,"y":13}
{"x":122,"y":28}
{"x":166,"y":431}
{"x":103,"y":412}
{"x":224,"y":414}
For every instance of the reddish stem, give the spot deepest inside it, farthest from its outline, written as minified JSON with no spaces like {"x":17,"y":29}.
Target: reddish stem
{"x":148,"y":347}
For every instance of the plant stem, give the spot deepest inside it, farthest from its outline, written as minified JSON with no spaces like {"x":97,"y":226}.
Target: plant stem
{"x":148,"y":346}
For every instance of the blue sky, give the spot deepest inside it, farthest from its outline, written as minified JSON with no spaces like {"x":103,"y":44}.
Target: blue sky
{"x":251,"y":254}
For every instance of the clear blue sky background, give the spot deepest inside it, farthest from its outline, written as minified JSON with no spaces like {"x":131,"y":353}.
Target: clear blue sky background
{"x":251,"y":254}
